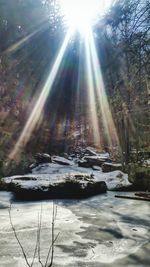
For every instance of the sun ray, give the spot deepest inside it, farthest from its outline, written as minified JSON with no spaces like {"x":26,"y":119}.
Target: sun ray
{"x":107,"y":119}
{"x":12,"y":48}
{"x":78,"y":99}
{"x":91,"y":96}
{"x":38,"y":108}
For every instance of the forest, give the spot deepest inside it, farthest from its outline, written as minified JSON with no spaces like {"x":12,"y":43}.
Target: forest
{"x":27,"y":51}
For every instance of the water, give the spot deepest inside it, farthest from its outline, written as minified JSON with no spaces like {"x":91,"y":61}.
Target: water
{"x":99,"y":231}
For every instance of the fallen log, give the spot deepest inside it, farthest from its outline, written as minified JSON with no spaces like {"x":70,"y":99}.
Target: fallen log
{"x":147,"y":195}
{"x":135,"y":198}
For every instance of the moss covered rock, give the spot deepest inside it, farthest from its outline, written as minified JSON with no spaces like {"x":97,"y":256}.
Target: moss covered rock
{"x":139,"y":175}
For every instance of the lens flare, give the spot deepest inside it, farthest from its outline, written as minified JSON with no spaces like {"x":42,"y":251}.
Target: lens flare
{"x":81,"y":14}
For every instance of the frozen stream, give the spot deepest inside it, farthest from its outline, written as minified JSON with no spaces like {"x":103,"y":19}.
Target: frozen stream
{"x":96,"y":232}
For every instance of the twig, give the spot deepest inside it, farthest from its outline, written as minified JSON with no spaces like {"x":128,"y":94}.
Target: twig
{"x":15,"y":234}
{"x":53,"y":228}
{"x":36,"y":245}
{"x":51,"y":248}
{"x":37,"y":249}
{"x":39,"y":237}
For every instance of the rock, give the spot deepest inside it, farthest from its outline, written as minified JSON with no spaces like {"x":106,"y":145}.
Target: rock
{"x":90,"y":161}
{"x":65,"y":155}
{"x":42,"y":158}
{"x":96,"y":168}
{"x":70,"y":158}
{"x":143,"y":155}
{"x":90,"y":151}
{"x":109,"y":167}
{"x":32,"y":166}
{"x":66,"y":186}
{"x":116,"y":181}
{"x":62,"y":161}
{"x":140,"y":176}
{"x":84,"y":164}
{"x":146,"y":163}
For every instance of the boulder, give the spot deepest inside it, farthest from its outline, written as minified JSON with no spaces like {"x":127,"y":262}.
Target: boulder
{"x":143,"y":155}
{"x":96,"y":168}
{"x":66,"y":186}
{"x":139,"y":175}
{"x":90,"y":161}
{"x":32,"y":166}
{"x":62,"y":161}
{"x":116,"y":181}
{"x":90,"y":151}
{"x":42,"y":158}
{"x":84,"y":164}
{"x":109,"y":167}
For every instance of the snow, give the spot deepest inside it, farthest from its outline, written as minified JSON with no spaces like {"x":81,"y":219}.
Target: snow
{"x":98,"y":231}
{"x":48,"y":173}
{"x":62,"y":161}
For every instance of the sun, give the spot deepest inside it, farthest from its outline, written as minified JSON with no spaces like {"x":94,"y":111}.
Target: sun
{"x":80,"y":14}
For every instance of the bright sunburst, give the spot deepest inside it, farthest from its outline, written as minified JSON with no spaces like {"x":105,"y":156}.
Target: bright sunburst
{"x":80,"y":14}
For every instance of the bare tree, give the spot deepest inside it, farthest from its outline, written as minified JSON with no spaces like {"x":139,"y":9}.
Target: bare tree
{"x":126,"y":31}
